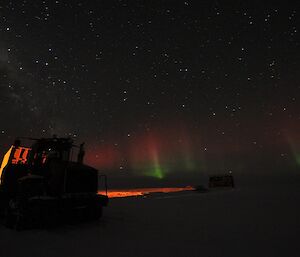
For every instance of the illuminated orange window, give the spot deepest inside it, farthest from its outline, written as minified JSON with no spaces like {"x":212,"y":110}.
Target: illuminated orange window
{"x":20,"y":155}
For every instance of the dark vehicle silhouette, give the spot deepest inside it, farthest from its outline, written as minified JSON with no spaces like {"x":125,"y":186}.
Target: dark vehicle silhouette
{"x":41,"y":185}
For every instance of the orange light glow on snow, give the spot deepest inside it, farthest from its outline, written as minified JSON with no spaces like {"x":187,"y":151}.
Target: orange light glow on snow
{"x":145,"y":191}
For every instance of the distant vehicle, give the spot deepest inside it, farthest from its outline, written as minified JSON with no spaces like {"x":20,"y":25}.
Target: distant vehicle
{"x":221,"y":181}
{"x":41,"y":185}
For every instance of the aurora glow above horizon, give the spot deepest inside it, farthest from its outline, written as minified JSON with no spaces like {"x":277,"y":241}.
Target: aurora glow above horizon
{"x":153,"y":154}
{"x":157,"y":153}
{"x":162,"y":151}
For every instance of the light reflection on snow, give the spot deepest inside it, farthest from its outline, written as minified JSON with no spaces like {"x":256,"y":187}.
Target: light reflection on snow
{"x":116,"y":193}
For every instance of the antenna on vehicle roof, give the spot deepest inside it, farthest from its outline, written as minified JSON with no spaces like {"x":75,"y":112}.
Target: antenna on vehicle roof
{"x":81,"y":153}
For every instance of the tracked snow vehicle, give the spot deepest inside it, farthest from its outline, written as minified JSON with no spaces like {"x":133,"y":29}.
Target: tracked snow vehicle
{"x":41,"y":185}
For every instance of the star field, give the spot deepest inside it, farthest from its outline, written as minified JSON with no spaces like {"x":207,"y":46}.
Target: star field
{"x":224,"y":76}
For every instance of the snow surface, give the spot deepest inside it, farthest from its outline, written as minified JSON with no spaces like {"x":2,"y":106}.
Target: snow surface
{"x":248,"y":221}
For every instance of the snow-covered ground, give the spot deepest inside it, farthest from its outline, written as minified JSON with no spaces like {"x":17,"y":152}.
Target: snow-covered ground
{"x":248,"y":221}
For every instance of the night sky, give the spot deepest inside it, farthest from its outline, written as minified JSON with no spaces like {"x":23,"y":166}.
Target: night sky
{"x":155,"y":87}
